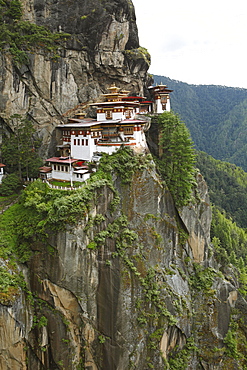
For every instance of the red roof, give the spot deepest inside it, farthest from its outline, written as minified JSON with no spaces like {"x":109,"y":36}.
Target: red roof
{"x":62,"y":160}
{"x":2,"y":165}
{"x":45,"y":169}
{"x":116,"y":103}
{"x":131,"y":98}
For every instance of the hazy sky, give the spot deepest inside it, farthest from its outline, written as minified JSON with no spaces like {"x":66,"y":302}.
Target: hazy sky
{"x":198,"y":42}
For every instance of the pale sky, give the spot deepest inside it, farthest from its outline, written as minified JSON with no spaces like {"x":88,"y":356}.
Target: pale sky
{"x":198,"y":42}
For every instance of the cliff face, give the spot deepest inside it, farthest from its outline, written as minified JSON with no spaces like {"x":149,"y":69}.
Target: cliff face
{"x":103,"y":48}
{"x":126,"y":289}
{"x":132,"y":283}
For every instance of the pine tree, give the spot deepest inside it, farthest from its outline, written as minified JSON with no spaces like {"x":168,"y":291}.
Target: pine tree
{"x":19,"y":151}
{"x":177,"y":157}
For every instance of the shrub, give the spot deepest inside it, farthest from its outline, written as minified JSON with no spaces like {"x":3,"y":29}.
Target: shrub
{"x":10,"y":184}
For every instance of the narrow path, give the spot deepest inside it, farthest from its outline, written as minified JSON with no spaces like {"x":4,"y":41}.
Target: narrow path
{"x":9,"y":205}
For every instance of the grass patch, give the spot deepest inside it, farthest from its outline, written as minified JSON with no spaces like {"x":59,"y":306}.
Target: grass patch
{"x":65,"y":184}
{"x":7,"y":200}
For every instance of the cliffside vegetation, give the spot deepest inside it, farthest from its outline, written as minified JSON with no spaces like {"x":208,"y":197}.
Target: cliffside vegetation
{"x":216,"y":117}
{"x":136,"y":256}
{"x":19,"y":37}
{"x":20,"y":149}
{"x":228,"y":193}
{"x":177,"y":158}
{"x":41,"y":208}
{"x":42,"y":211}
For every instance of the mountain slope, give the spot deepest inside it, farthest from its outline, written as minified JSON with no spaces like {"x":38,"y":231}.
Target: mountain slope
{"x":227,"y":186}
{"x":216,"y":117}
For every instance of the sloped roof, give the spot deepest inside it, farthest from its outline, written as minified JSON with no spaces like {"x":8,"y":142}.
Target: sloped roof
{"x":62,"y":160}
{"x":45,"y":169}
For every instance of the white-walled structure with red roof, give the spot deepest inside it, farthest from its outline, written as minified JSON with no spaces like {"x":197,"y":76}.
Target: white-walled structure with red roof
{"x":120,"y":121}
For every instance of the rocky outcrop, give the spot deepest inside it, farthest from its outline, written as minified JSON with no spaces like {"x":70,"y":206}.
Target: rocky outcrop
{"x":103,"y":48}
{"x":130,"y":285}
{"x":149,"y":293}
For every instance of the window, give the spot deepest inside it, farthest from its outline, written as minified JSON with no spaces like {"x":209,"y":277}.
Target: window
{"x":74,"y":141}
{"x":108,"y":114}
{"x":82,"y":141}
{"x":95,"y":141}
{"x":128,"y":114}
{"x":128,"y":130}
{"x":62,"y":168}
{"x":58,"y":168}
{"x":55,"y":167}
{"x":86,"y":141}
{"x":66,"y":168}
{"x":78,"y":141}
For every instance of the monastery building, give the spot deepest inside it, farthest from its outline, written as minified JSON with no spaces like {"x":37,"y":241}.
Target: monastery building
{"x":120,"y":121}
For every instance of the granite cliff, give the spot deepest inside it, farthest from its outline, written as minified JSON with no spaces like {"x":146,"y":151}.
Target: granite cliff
{"x":112,"y":276}
{"x":120,"y":279}
{"x":102,"y":48}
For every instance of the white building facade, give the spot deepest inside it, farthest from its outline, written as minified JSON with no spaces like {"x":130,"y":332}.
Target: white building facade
{"x":120,"y":122}
{"x":1,"y":171}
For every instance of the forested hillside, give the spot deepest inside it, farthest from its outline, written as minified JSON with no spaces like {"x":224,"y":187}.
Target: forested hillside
{"x":216,"y":117}
{"x":227,"y":187}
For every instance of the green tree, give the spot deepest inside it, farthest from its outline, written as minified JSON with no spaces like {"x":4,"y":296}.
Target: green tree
{"x":177,"y":157}
{"x":19,"y":151}
{"x":227,"y":185}
{"x":19,"y":37}
{"x":10,"y":184}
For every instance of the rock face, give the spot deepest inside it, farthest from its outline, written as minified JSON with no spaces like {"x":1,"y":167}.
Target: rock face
{"x":150,"y":295}
{"x":137,"y":300}
{"x":103,"y":48}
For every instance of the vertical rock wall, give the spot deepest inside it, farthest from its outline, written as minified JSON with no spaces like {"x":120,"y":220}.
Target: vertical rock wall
{"x":132,"y":302}
{"x":102,"y":49}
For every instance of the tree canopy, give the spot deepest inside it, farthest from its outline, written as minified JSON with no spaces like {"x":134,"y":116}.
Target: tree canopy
{"x":19,"y":151}
{"x":227,"y":185}
{"x":177,"y":157}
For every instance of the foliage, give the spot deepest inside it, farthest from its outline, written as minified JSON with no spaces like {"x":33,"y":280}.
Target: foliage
{"x":19,"y":151}
{"x":203,"y":278}
{"x":10,"y":184}
{"x":20,"y":37}
{"x":10,"y":282}
{"x":6,"y":201}
{"x":230,"y":241}
{"x":124,"y":163}
{"x":39,"y":322}
{"x":231,"y":341}
{"x":139,"y":53}
{"x":102,"y":339}
{"x":216,"y":117}
{"x":7,"y":279}
{"x":178,"y":157}
{"x":227,"y":186}
{"x":179,"y":359}
{"x":42,"y":209}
